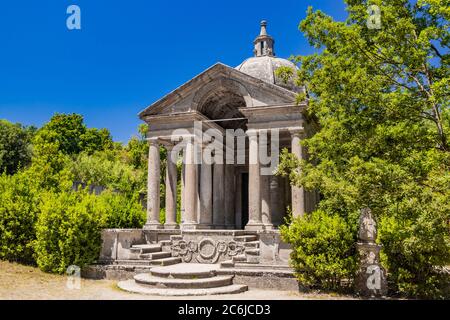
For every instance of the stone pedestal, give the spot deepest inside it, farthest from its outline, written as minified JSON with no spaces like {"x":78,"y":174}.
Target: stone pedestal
{"x":371,"y":278}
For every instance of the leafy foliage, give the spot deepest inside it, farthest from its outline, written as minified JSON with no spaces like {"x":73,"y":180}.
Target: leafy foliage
{"x":323,"y":249}
{"x":380,"y":100}
{"x":15,"y":149}
{"x":44,"y":219}
{"x":68,"y":230}
{"x":122,"y":211}
{"x":19,"y":208}
{"x":71,"y":135}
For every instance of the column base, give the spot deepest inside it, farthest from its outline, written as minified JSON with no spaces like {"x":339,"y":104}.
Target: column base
{"x":153,"y":226}
{"x":171,"y":226}
{"x":205,"y":226}
{"x":253,"y":226}
{"x":190,"y":226}
{"x":269,"y":227}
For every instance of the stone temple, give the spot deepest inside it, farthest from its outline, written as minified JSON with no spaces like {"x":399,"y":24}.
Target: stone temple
{"x":232,"y":205}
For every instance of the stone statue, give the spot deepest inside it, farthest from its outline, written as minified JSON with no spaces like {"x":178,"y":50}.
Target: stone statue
{"x":367,"y":227}
{"x":371,"y":278}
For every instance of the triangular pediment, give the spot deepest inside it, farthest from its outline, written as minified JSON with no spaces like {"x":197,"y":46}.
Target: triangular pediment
{"x":187,"y":97}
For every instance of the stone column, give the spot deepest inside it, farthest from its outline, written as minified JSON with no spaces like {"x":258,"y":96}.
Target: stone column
{"x":171,"y":190}
{"x":298,"y":193}
{"x":230,"y":190}
{"x":238,"y":201}
{"x":266,"y":212}
{"x":206,"y":195}
{"x":254,"y":184}
{"x":182,"y":186}
{"x":277,"y":200}
{"x":190,"y":192}
{"x":218,"y":197}
{"x":153,"y":202}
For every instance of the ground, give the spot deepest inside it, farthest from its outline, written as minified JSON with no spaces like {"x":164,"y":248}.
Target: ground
{"x":24,"y":282}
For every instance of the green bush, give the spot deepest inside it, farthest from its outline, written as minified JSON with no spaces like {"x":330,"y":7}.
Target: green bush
{"x":413,"y":252}
{"x":106,"y":169}
{"x":19,"y":207}
{"x":68,"y":230}
{"x":323,"y":249}
{"x":122,"y":211}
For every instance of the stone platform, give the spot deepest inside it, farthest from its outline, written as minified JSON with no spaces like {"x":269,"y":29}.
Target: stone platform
{"x":183,"y":280}
{"x":254,"y":259}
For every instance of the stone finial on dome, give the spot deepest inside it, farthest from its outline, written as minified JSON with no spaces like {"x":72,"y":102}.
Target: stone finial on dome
{"x":264,"y":43}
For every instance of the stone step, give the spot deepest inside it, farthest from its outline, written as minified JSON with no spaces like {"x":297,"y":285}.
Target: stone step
{"x":132,"y":262}
{"x":246,"y":238}
{"x":160,"y":282}
{"x":165,"y":242}
{"x":186,"y":271}
{"x":240,"y":257}
{"x":166,"y":261}
{"x":252,"y":259}
{"x":263,"y":267}
{"x":132,"y":286}
{"x":155,"y":255}
{"x":227,"y":264}
{"x":146,"y":248}
{"x":252,"y":252}
{"x":252,"y":244}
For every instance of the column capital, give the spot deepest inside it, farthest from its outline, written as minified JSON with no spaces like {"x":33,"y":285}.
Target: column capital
{"x":153,"y":141}
{"x":296,"y":131}
{"x":169,"y":147}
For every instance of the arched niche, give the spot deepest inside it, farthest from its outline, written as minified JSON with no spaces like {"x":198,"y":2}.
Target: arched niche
{"x":222,"y":99}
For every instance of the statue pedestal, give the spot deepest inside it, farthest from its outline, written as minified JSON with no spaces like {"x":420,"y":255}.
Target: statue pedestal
{"x":371,"y":278}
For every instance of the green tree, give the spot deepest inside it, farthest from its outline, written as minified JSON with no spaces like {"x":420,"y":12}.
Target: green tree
{"x":380,"y":98}
{"x":96,"y":140}
{"x":72,"y":136}
{"x":15,"y":148}
{"x":64,"y":129}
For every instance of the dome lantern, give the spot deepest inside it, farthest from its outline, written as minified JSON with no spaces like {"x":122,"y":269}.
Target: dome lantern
{"x":263,"y":43}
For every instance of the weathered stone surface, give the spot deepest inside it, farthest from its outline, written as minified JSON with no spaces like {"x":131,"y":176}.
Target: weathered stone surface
{"x":132,"y":286}
{"x":183,"y":283}
{"x":184,"y":270}
{"x":371,"y":278}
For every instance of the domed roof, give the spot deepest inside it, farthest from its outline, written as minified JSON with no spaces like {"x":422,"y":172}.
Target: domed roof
{"x":264,"y":64}
{"x":264,"y":68}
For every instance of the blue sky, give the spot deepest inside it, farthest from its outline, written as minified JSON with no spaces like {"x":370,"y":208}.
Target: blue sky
{"x":129,"y":53}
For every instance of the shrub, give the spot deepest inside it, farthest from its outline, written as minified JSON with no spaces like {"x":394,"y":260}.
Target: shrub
{"x":323,"y":249}
{"x":413,"y":252}
{"x":105,"y":169}
{"x":68,"y":230}
{"x":19,"y":207}
{"x":122,"y":211}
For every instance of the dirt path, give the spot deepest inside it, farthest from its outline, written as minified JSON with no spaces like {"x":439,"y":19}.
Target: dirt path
{"x":23,"y":282}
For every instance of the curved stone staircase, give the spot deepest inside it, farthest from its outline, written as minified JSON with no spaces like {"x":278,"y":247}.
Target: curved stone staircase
{"x":183,"y":279}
